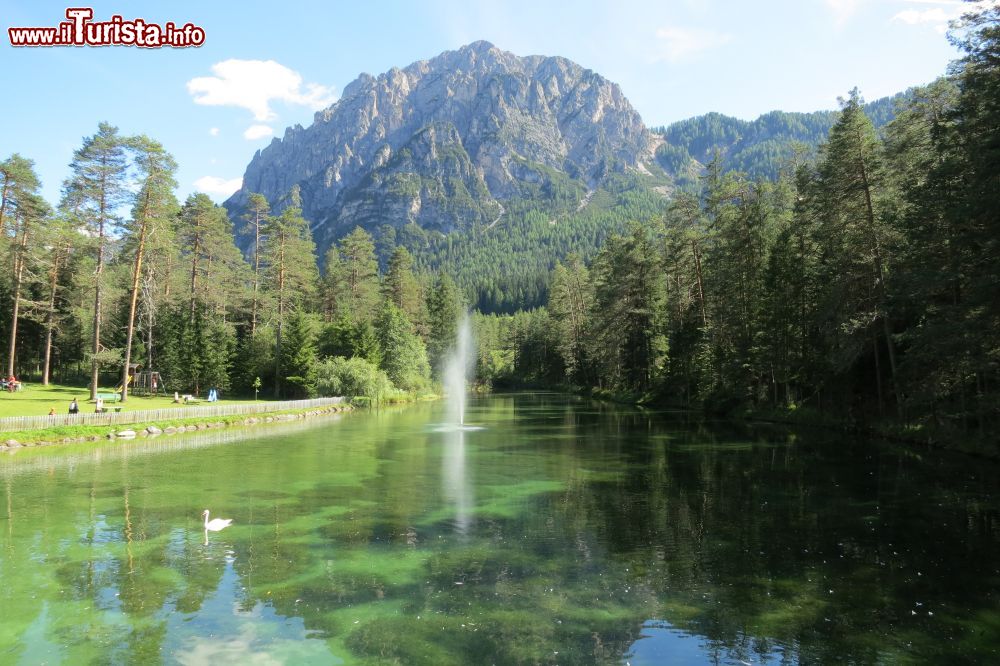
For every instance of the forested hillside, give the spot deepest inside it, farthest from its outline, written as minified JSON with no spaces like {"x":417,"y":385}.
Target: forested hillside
{"x":860,"y":287}
{"x":758,"y":148}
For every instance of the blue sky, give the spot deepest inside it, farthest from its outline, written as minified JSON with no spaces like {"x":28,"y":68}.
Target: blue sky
{"x":214,"y":106}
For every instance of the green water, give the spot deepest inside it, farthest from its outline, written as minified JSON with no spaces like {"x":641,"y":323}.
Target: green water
{"x":563,"y":531}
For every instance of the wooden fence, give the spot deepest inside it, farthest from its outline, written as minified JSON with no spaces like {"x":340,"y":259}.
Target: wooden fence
{"x":110,"y":418}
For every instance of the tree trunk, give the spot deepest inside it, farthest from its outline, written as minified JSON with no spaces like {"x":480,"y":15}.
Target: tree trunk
{"x":878,"y":374}
{"x":194,"y":276}
{"x":50,"y":319}
{"x":256,"y":276}
{"x":3,"y":203}
{"x":18,"y":276}
{"x":880,"y":285}
{"x":96,"y":343}
{"x":701,"y":287}
{"x":281,"y":317}
{"x":134,"y":297}
{"x":149,"y":291}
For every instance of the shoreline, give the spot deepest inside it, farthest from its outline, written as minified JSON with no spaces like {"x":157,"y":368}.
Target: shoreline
{"x":898,"y":433}
{"x":15,"y":441}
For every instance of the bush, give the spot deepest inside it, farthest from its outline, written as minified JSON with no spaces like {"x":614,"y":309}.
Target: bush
{"x":339,"y":376}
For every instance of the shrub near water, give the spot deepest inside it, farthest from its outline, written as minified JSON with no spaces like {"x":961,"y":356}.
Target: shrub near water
{"x":352,"y":376}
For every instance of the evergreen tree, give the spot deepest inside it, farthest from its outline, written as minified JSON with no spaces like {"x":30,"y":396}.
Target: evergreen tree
{"x":445,"y":308}
{"x":92,"y":196}
{"x":570,"y":302}
{"x":350,"y":339}
{"x":404,"y":357}
{"x":402,"y":288}
{"x":352,"y":276}
{"x":300,"y":360}
{"x":17,"y":180}
{"x":856,"y":239}
{"x":155,"y":205}
{"x":685,"y":243}
{"x":60,"y":239}
{"x":206,"y":241}
{"x":290,"y":257}
{"x":629,"y":341}
{"x":256,"y":218}
{"x":27,"y":211}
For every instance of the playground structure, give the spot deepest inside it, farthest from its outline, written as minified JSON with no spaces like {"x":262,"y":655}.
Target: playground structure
{"x":143,"y":382}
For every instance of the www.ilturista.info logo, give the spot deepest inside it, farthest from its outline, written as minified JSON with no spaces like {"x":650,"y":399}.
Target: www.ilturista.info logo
{"x":79,"y":30}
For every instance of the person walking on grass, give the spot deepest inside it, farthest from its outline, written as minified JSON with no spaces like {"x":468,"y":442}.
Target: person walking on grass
{"x":74,"y":408}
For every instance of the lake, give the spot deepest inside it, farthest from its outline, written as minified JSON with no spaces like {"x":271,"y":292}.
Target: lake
{"x":559,"y":531}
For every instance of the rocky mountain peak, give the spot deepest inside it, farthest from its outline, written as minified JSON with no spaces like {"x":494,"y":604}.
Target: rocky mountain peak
{"x":444,"y":142}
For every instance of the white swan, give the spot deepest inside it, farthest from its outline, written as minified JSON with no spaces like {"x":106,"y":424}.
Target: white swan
{"x":216,"y":524}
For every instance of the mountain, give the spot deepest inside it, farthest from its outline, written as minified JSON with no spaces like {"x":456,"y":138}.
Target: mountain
{"x":492,"y":166}
{"x":452,"y":143}
{"x":757,"y":147}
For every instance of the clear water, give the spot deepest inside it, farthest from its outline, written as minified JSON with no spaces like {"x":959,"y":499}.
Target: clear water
{"x":562,"y":531}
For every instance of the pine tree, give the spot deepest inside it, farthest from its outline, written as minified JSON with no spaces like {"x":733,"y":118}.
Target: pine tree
{"x":300,"y":359}
{"x":24,"y":211}
{"x":445,"y":308}
{"x":154,"y":207}
{"x":404,"y":357}
{"x":17,"y":179}
{"x":352,"y":276}
{"x":32,"y":212}
{"x":203,"y":235}
{"x":570,"y":302}
{"x":60,"y":239}
{"x":256,"y":217}
{"x":290,"y":257}
{"x":856,"y":239}
{"x":92,"y":196}
{"x":402,"y":288}
{"x":629,"y":333}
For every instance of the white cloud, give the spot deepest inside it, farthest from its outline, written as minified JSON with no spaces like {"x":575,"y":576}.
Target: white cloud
{"x":254,"y":84}
{"x":218,"y":186}
{"x":941,"y":14}
{"x":676,"y":44}
{"x":935,"y":15}
{"x":255,"y":132}
{"x":214,"y":131}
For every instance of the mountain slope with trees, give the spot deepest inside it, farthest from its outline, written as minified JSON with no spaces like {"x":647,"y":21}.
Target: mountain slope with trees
{"x":861,"y":286}
{"x":758,"y":148}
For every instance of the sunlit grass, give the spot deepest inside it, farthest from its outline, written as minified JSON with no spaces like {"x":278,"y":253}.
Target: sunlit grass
{"x":37,"y":400}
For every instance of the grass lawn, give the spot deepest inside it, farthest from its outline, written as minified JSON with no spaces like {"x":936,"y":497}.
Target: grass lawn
{"x":37,"y":400}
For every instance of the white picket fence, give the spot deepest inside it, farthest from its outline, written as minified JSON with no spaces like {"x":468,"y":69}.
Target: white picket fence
{"x":124,"y":417}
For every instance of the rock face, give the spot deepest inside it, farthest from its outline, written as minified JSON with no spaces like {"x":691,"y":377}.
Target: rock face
{"x":444,"y":142}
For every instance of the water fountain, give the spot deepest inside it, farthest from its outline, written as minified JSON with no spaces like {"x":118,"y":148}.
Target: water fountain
{"x":456,"y":372}
{"x":455,"y":478}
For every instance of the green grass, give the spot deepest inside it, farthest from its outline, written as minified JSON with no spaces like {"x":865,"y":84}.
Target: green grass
{"x":59,"y":434}
{"x":37,"y":400}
